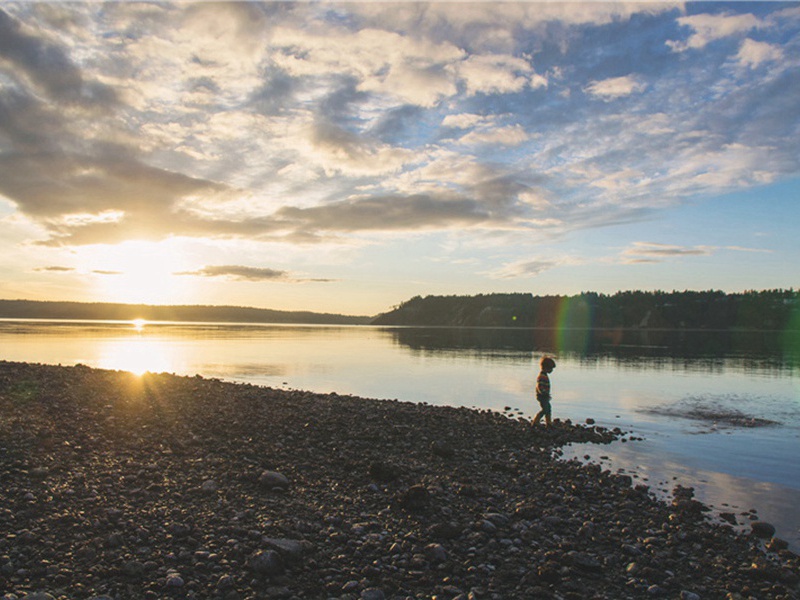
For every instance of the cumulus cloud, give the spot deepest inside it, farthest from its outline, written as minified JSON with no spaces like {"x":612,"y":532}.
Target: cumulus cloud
{"x":388,"y":213}
{"x":495,"y":74}
{"x":753,"y":53}
{"x":615,"y":87}
{"x":511,"y":135}
{"x":303,"y":122}
{"x":707,"y":28}
{"x":49,"y":67}
{"x":463,"y":120}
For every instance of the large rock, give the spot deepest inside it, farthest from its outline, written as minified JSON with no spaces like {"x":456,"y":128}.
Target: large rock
{"x":266,"y":562}
{"x":762,"y":529}
{"x":270,"y":480}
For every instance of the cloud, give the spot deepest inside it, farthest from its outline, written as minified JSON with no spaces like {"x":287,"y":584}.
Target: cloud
{"x":82,"y":199}
{"x":463,"y":120}
{"x":55,"y":269}
{"x":526,"y":268}
{"x":239,"y":273}
{"x":616,"y":87}
{"x":496,"y":74}
{"x":511,"y":135}
{"x":304,"y":122}
{"x":745,"y":249}
{"x":48,"y":67}
{"x":752,"y":53}
{"x":649,"y":252}
{"x":245,"y":273}
{"x":710,"y":27}
{"x":387,"y":213}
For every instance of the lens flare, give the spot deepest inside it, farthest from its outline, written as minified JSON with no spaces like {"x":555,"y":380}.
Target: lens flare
{"x":574,"y":323}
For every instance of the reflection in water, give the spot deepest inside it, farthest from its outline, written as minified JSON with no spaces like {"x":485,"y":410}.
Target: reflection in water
{"x":642,"y":346}
{"x":137,"y":355}
{"x":722,"y":492}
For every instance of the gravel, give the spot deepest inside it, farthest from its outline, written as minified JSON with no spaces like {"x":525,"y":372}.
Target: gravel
{"x":114,"y":486}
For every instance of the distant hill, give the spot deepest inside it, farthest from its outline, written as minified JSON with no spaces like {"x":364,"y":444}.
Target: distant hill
{"x":30,"y":309}
{"x":769,"y":310}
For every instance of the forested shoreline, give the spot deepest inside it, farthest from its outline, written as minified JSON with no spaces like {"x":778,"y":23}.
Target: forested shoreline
{"x":29,"y":309}
{"x":768,"y":309}
{"x":777,"y":309}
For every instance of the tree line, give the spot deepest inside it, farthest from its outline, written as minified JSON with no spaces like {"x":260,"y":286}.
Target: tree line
{"x":767,"y":309}
{"x":29,"y":309}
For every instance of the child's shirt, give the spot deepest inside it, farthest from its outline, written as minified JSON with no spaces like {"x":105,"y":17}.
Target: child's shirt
{"x":543,"y":386}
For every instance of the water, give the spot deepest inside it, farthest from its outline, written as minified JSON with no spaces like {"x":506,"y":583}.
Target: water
{"x":718,"y":411}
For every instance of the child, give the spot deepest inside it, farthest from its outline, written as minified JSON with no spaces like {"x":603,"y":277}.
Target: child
{"x":547,"y":365}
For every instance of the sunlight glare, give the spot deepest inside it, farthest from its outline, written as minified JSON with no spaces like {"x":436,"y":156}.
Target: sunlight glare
{"x":136,"y":355}
{"x":138,"y":272}
{"x":138,"y":324}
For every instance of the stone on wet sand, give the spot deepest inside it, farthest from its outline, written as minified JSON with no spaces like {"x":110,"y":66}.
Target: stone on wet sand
{"x":762,"y":529}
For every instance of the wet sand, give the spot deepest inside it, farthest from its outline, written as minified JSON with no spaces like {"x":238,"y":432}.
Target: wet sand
{"x":117,"y":486}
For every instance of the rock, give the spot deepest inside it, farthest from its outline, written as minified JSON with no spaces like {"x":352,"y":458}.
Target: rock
{"x":442,"y":449}
{"x":38,"y":596}
{"x":372,"y":594}
{"x":446,"y":531}
{"x":291,"y":549}
{"x":265,"y":562}
{"x":384,"y":471}
{"x":351,"y":586}
{"x":585,"y":562}
{"x":777,"y":544}
{"x":210,"y":486}
{"x":270,"y":480}
{"x":133,"y":568}
{"x":435,"y":553}
{"x":686,"y":595}
{"x":415,"y":498}
{"x":174,"y":580}
{"x":762,"y":529}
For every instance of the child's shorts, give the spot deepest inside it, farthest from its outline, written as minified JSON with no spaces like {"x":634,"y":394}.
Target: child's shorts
{"x":545,"y":404}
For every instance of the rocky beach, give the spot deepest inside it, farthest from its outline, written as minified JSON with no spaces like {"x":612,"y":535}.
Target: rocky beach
{"x":116,"y":486}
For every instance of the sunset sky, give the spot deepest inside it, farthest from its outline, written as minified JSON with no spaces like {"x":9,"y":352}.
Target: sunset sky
{"x":346,"y":157}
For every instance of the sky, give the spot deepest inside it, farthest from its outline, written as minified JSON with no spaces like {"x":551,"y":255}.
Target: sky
{"x":345,"y":157}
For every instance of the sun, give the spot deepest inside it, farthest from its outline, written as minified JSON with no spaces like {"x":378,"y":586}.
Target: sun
{"x":138,"y":273}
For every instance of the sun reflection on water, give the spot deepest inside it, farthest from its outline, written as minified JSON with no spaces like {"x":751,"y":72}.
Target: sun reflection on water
{"x":136,"y":355}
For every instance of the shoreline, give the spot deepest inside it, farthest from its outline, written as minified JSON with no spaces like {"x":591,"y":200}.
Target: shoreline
{"x":165,"y":486}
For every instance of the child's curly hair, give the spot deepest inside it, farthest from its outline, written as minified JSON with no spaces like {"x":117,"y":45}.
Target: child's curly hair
{"x":547,"y":363}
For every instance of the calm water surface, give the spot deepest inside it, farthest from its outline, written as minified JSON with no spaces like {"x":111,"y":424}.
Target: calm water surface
{"x":701,"y":401}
